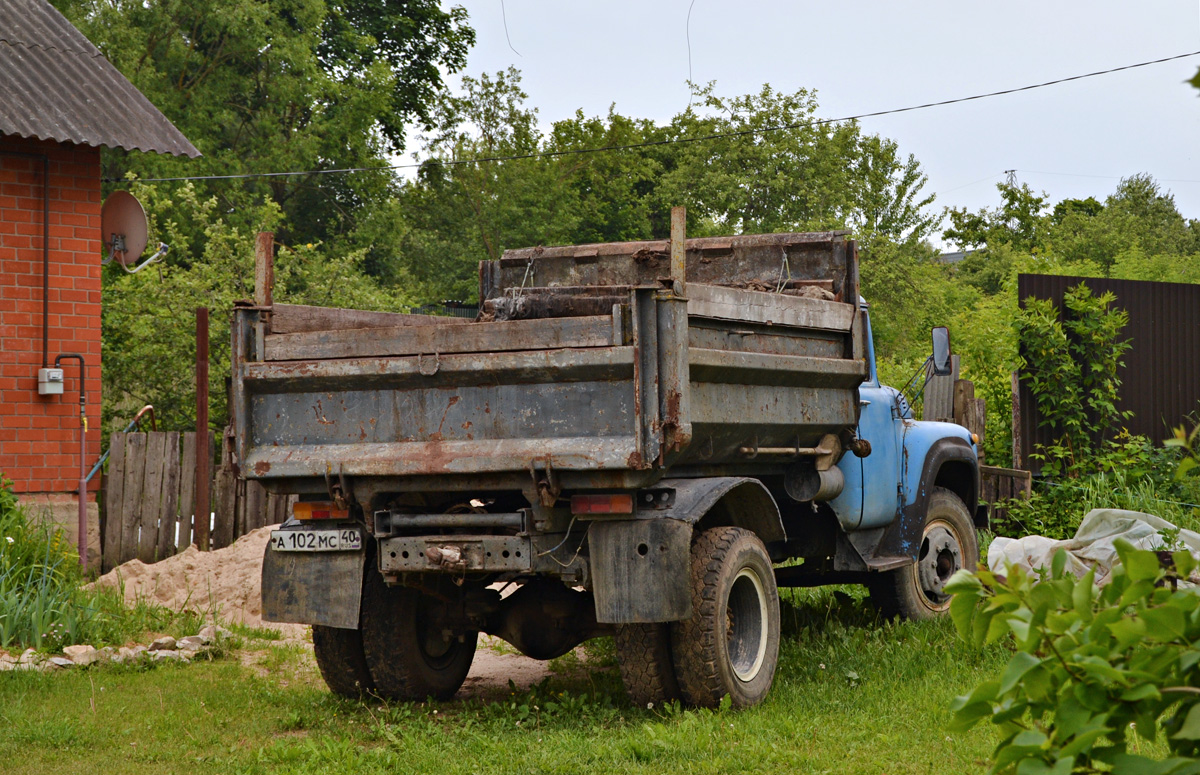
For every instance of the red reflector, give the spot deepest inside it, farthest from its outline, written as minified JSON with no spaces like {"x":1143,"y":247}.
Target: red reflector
{"x":621,"y":503}
{"x":319,"y":511}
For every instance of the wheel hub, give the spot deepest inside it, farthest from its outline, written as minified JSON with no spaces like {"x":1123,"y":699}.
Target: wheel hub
{"x":746,"y":625}
{"x":941,"y":558}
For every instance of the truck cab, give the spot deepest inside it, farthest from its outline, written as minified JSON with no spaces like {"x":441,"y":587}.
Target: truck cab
{"x":889,"y":492}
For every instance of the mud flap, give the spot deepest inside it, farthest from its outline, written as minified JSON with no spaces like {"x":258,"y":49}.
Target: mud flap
{"x":640,"y":570}
{"x":313,"y":587}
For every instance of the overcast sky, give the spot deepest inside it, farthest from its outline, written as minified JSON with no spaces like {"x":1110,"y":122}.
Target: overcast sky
{"x":868,"y":56}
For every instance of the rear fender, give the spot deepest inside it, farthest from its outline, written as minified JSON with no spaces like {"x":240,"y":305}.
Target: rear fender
{"x":726,"y":500}
{"x":640,"y":566}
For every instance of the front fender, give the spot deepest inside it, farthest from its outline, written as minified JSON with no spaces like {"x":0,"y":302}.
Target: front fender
{"x":951,"y":462}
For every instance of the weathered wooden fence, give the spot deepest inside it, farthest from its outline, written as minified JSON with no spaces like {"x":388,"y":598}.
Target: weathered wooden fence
{"x":951,"y":399}
{"x":149,"y":499}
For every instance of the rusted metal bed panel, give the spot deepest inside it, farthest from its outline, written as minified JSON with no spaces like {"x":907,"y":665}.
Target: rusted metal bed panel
{"x":549,"y":333}
{"x":761,"y":260}
{"x":769,"y":369}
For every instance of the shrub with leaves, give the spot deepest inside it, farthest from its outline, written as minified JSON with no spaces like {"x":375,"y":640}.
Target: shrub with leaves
{"x":39,"y":574}
{"x":1096,"y":671}
{"x":1071,"y":367}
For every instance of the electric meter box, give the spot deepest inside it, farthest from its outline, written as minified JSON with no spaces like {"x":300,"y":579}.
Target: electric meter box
{"x":50,"y":382}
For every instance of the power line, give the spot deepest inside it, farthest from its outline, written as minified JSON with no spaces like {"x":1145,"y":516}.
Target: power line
{"x":504,"y":16}
{"x":1104,"y":177}
{"x":676,"y":140}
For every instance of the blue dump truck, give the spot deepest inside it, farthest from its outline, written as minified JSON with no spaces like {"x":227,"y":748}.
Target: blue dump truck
{"x":643,"y":440}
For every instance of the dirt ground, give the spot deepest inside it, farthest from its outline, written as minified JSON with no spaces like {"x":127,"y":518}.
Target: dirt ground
{"x":225,"y":585}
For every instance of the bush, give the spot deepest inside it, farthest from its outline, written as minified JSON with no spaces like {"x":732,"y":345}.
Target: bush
{"x":1095,"y":668}
{"x":39,"y":575}
{"x":41,"y":603}
{"x":1127,"y":472}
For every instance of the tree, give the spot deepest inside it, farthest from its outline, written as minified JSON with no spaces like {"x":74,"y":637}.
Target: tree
{"x":814,"y":176}
{"x":149,"y":318}
{"x":281,"y":85}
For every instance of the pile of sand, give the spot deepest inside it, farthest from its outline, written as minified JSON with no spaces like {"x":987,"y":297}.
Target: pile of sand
{"x":224,"y":585}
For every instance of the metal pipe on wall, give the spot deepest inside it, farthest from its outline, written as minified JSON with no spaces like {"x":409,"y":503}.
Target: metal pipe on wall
{"x":82,"y":542}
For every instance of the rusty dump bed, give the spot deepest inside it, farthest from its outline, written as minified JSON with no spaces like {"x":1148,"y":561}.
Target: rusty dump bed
{"x":589,"y":362}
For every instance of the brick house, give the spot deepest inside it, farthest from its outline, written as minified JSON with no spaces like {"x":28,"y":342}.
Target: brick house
{"x":60,"y":100}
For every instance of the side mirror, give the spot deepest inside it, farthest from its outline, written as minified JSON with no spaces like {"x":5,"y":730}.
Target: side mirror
{"x":941,"y":351}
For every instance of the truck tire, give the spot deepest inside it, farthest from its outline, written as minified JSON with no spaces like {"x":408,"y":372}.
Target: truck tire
{"x":408,"y":657}
{"x":948,"y":543}
{"x":730,"y":645}
{"x":340,"y":659}
{"x":647,"y":669}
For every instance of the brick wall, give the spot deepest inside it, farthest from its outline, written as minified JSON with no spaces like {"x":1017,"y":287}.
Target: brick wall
{"x":39,"y":435}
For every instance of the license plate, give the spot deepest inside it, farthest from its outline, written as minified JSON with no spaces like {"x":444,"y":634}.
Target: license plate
{"x":316,"y":540}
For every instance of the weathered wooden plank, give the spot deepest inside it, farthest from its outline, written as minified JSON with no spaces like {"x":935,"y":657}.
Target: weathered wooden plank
{"x":150,"y":506}
{"x":169,"y":505}
{"x":225,"y":500}
{"x":964,"y":398}
{"x":299,"y":318}
{"x":1017,"y":448}
{"x":131,"y":497}
{"x":512,"y":335}
{"x":715,"y":301}
{"x":187,"y":491}
{"x":939,"y":393}
{"x":239,"y":519}
{"x":113,"y":494}
{"x":256,"y":507}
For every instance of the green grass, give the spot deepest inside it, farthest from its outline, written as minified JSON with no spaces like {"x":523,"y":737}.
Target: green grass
{"x":852,"y":695}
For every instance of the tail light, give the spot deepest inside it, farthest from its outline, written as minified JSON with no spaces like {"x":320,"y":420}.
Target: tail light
{"x":318,"y":510}
{"x":620,"y":503}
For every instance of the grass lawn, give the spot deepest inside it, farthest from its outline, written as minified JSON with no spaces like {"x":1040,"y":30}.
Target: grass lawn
{"x":852,"y":695}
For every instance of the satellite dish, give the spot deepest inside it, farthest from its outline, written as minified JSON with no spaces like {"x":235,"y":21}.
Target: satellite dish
{"x":123,"y":226}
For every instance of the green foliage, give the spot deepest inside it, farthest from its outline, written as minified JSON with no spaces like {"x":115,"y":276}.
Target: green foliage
{"x":1126,"y":472}
{"x":816,"y":176}
{"x":281,"y":85}
{"x":1019,"y":222}
{"x":1071,"y":368}
{"x":1187,"y":475}
{"x":1094,"y":668}
{"x":38,"y":575}
{"x":41,"y":603}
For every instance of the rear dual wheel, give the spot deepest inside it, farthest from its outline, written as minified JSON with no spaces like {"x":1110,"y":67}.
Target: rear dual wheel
{"x":730,"y":644}
{"x":408,"y":652}
{"x":400,"y":650}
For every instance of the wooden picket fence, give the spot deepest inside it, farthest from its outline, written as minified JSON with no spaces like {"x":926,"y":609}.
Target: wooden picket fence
{"x":149,"y":498}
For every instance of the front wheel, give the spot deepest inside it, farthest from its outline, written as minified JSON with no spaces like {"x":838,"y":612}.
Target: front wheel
{"x":948,"y":544}
{"x":730,"y":645}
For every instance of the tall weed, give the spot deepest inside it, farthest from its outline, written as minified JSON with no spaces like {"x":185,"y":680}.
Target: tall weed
{"x":42,"y":604}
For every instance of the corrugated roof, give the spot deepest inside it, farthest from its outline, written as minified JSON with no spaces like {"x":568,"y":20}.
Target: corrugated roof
{"x":55,"y":85}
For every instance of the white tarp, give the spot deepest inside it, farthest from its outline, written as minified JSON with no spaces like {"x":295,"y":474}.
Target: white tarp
{"x":1092,"y":545}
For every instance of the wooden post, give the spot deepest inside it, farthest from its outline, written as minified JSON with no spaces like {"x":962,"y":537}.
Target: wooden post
{"x":203,"y":453}
{"x":1017,"y":461}
{"x":679,"y":250}
{"x":264,"y":268}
